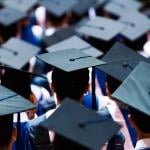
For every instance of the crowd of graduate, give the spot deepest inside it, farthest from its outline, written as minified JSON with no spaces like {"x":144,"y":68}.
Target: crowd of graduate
{"x":74,"y":74}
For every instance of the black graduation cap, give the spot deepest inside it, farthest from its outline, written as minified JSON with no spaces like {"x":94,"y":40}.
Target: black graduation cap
{"x":59,"y":36}
{"x":22,"y":5}
{"x":9,"y":18}
{"x":134,"y":91}
{"x":77,"y":43}
{"x":82,"y":7}
{"x":137,"y":25}
{"x":58,"y":7}
{"x":120,"y":61}
{"x":101,"y":29}
{"x":70,"y":60}
{"x":16,"y":53}
{"x":81,"y":125}
{"x":119,"y":7}
{"x":11,"y":103}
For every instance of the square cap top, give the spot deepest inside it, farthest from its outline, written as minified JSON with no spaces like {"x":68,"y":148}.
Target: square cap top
{"x":77,"y":43}
{"x":70,"y":60}
{"x":101,"y":28}
{"x":10,"y":102}
{"x":81,"y":125}
{"x":16,"y":53}
{"x":83,"y":6}
{"x":101,"y":3}
{"x":135,"y":90}
{"x":22,"y":5}
{"x":120,"y":61}
{"x":58,"y":7}
{"x":59,"y":36}
{"x":137,"y":24}
{"x":9,"y":16}
{"x":119,"y":7}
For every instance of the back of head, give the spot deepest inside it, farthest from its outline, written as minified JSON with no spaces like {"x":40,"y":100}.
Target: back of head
{"x":70,"y":84}
{"x":112,"y":84}
{"x":6,"y":129}
{"x":141,"y":120}
{"x":63,"y":143}
{"x":18,"y":82}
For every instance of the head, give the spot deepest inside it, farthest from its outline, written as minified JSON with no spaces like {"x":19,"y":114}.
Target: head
{"x":70,"y":84}
{"x":19,"y":82}
{"x":140,"y":122}
{"x":111,"y":85}
{"x":8,"y":133}
{"x":61,"y":142}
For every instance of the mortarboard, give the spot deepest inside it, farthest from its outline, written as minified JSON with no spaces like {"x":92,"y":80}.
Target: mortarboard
{"x":22,"y":5}
{"x":134,"y":91}
{"x":101,"y":3}
{"x":59,"y":36}
{"x":81,"y":125}
{"x":120,"y":61}
{"x":137,"y":24}
{"x":11,"y":103}
{"x":77,"y":43}
{"x":119,"y":7}
{"x":16,"y":53}
{"x":10,"y":16}
{"x":58,"y":7}
{"x":100,"y":28}
{"x":70,"y":60}
{"x":82,"y":7}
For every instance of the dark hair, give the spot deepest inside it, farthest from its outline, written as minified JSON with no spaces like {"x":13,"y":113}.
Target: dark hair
{"x":18,"y":82}
{"x":112,"y":83}
{"x":141,"y":120}
{"x":6,"y":129}
{"x":70,"y":84}
{"x":62,"y":143}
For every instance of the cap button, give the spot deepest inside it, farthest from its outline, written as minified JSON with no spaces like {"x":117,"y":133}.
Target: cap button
{"x":125,"y":64}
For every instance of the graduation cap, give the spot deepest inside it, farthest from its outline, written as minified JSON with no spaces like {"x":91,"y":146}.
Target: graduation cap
{"x":72,"y":60}
{"x":81,"y":125}
{"x":101,"y":29}
{"x":21,"y":5}
{"x":82,"y":7}
{"x":59,"y":36}
{"x":11,"y":103}
{"x":9,"y":18}
{"x":16,"y":53}
{"x":134,"y":91}
{"x":119,"y":7}
{"x":77,"y":43}
{"x":137,"y":25}
{"x":120,"y":61}
{"x":58,"y":7}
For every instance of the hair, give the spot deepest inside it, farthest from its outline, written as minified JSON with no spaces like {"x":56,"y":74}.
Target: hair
{"x":18,"y":82}
{"x":141,"y":120}
{"x":70,"y":84}
{"x":6,"y":130}
{"x":62,"y":143}
{"x":112,"y":84}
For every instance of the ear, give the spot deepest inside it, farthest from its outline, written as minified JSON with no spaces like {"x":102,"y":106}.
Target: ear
{"x":87,"y":88}
{"x":132,"y":122}
{"x":14,"y":135}
{"x":107,"y":90}
{"x":53,"y":87}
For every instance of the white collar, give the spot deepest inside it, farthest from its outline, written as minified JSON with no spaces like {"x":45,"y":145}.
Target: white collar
{"x":143,"y":143}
